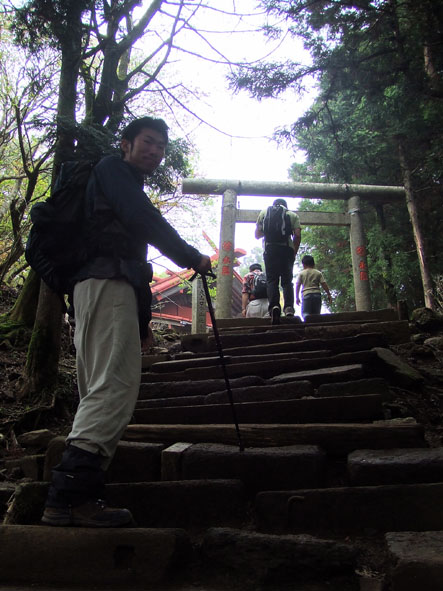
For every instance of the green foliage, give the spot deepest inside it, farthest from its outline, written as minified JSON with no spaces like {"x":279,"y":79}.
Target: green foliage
{"x":380,"y":87}
{"x":330,"y":248}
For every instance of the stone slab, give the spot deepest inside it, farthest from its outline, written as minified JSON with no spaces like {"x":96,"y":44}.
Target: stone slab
{"x":266,"y":561}
{"x":81,"y":556}
{"x":272,"y":367}
{"x":416,"y":559}
{"x":135,"y":462}
{"x":335,"y":439}
{"x":176,"y":401}
{"x":395,"y":466}
{"x":149,"y":360}
{"x":323,"y":375}
{"x":287,"y":391}
{"x":395,"y":333}
{"x":307,"y":338}
{"x":357,"y":510}
{"x":305,"y":410}
{"x":164,"y":389}
{"x":172,"y":460}
{"x":182,"y":364}
{"x":186,"y":504}
{"x":384,"y":314}
{"x":366,"y":386}
{"x":27,"y":466}
{"x":359,"y":342}
{"x":397,"y":369}
{"x":258,"y":468}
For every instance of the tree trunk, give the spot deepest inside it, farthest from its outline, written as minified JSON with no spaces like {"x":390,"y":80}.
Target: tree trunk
{"x":41,"y":367}
{"x":44,"y":348}
{"x":25,"y":307}
{"x":418,"y":236}
{"x":16,"y":325}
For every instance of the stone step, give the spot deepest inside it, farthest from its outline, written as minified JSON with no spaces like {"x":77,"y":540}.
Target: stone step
{"x":257,"y":350}
{"x":359,"y":342}
{"x":263,"y":561}
{"x":286,"y":391}
{"x":416,"y":560}
{"x":384,"y":314}
{"x":184,"y":504}
{"x":339,"y":409}
{"x":334,"y":439}
{"x":395,"y":466}
{"x":366,"y":386}
{"x":208,"y":361}
{"x":366,"y":509}
{"x":395,"y":333}
{"x":282,"y":340}
{"x":272,"y":468}
{"x":256,"y":363}
{"x":254,"y":389}
{"x":149,"y":360}
{"x":272,"y":367}
{"x":326,"y":375}
{"x":161,"y":389}
{"x":67,"y":556}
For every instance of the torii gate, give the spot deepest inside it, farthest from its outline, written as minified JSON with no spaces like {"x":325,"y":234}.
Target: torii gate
{"x":231,"y":189}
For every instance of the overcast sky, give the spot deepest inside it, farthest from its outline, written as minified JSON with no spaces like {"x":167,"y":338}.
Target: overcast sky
{"x":245,"y":151}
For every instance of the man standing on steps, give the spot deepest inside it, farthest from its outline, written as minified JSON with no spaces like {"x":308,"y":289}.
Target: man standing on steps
{"x":281,"y":231}
{"x":112,"y":313}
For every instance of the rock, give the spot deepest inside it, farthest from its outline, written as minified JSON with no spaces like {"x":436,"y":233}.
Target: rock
{"x":39,"y":439}
{"x":426,"y":319}
{"x":398,"y":370}
{"x":435,"y":343}
{"x":420,"y":337}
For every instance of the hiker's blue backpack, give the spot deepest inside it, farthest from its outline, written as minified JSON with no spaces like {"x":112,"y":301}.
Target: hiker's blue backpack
{"x":56,"y":245}
{"x":276,"y":224}
{"x":259,"y":286}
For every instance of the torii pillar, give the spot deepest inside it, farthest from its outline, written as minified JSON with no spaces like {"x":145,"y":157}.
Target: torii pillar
{"x":226,"y":255}
{"x":359,"y":256}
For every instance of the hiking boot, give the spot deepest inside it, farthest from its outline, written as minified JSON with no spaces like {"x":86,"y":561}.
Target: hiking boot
{"x":275,"y":315}
{"x":289,"y":311}
{"x":93,"y":513}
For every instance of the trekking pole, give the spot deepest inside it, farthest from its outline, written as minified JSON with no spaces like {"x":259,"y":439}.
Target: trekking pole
{"x":220,"y":352}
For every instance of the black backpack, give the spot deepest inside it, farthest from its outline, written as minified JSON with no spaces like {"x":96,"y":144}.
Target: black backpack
{"x":259,"y":289}
{"x":56,"y":245}
{"x":276,"y":224}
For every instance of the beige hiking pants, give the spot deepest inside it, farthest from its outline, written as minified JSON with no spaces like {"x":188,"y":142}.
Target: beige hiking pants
{"x":107,"y":345}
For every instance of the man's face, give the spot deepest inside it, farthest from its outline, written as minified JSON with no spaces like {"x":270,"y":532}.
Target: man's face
{"x":146,"y":151}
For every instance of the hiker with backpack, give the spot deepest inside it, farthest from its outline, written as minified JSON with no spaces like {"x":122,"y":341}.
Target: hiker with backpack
{"x":111,"y":299}
{"x":281,"y":233}
{"x":254,"y":293}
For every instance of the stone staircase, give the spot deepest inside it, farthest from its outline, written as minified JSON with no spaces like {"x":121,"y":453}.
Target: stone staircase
{"x":331,"y":492}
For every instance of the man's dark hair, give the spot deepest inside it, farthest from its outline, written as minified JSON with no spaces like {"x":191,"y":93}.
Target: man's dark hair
{"x":132,"y":130}
{"x":308,"y":261}
{"x":280,"y":202}
{"x":255,"y":267}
